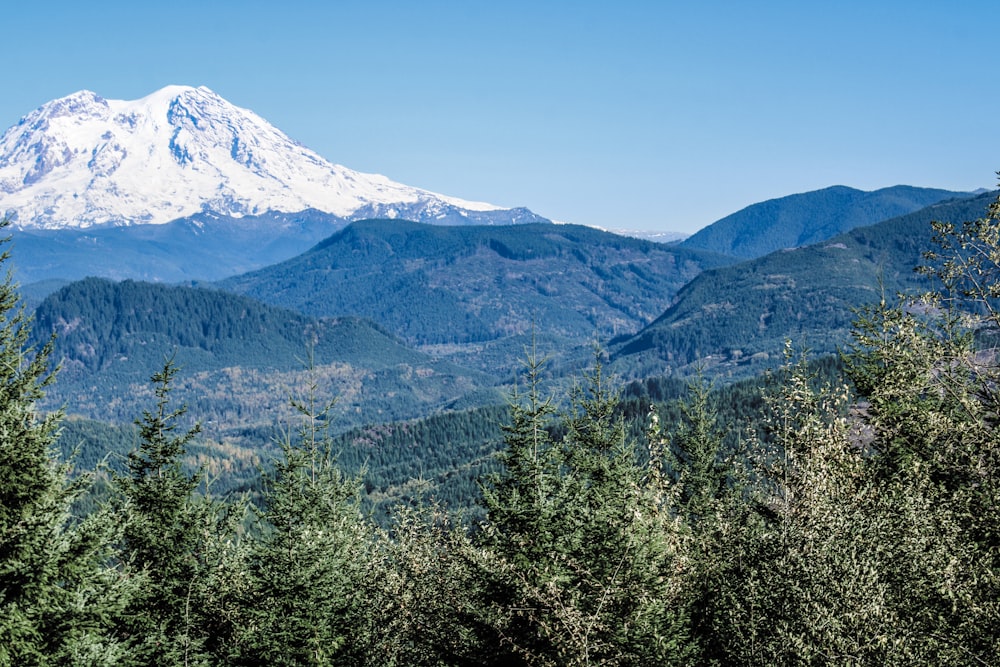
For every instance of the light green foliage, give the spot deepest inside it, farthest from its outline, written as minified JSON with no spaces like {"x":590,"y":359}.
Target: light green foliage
{"x":848,"y":546}
{"x":815,"y":590}
{"x":967,"y":261}
{"x":870,"y":526}
{"x":929,"y":370}
{"x":429,"y":601}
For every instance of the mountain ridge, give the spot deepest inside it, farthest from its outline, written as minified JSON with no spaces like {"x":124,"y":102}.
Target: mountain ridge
{"x":733,"y":316}
{"x":241,"y":358}
{"x":804,"y":218}
{"x":440,"y":285}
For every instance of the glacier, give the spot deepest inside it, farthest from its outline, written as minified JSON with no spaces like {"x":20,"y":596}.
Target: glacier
{"x":85,"y":161}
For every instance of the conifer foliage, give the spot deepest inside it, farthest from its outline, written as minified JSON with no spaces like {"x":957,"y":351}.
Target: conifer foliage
{"x":162,"y":538}
{"x":305,"y":574}
{"x":856,"y":521}
{"x":587,"y":551}
{"x":53,"y":592}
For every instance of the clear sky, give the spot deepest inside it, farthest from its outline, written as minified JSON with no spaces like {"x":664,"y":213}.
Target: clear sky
{"x":647,"y":115}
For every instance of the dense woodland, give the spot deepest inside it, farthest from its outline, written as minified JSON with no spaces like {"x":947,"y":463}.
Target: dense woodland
{"x":853,"y":520}
{"x":243,"y":358}
{"x":457,"y":285}
{"x":810,"y":217}
{"x":807,"y":294}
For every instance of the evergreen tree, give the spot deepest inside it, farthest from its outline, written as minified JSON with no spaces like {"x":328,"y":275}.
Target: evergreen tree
{"x":307,"y":574}
{"x":928,"y":371}
{"x":522,"y":506}
{"x":696,"y":456}
{"x":163,"y":537}
{"x":586,"y":551}
{"x":705,"y":490}
{"x":54,"y":592}
{"x":521,"y":499}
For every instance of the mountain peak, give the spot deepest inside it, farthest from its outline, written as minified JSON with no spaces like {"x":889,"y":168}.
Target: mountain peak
{"x":83,"y":160}
{"x":810,"y":217}
{"x":175,"y":90}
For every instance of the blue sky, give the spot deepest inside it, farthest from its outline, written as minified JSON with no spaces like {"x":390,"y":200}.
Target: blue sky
{"x":647,"y":115}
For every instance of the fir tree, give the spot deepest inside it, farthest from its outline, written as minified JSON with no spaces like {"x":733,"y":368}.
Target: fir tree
{"x":695,"y":455}
{"x":586,"y":551}
{"x":54,"y":592}
{"x":163,"y":540}
{"x":307,"y":572}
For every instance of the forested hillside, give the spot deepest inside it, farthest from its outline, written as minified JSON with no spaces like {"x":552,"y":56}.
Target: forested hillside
{"x":447,"y":285}
{"x":825,"y":522}
{"x":810,"y":217}
{"x":241,"y":358}
{"x":735,"y":319}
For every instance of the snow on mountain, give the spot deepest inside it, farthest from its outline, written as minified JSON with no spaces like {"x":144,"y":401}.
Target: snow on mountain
{"x":83,"y":160}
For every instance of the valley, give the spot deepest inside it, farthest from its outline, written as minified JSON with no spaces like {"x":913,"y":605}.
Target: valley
{"x":418,"y":330}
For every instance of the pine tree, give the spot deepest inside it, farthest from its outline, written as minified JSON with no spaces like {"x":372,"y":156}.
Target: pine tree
{"x":54,"y":590}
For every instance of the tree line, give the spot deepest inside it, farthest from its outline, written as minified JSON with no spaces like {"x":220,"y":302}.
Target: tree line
{"x":852,"y":524}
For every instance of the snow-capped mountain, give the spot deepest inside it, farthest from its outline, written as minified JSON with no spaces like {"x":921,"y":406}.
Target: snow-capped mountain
{"x":83,"y":161}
